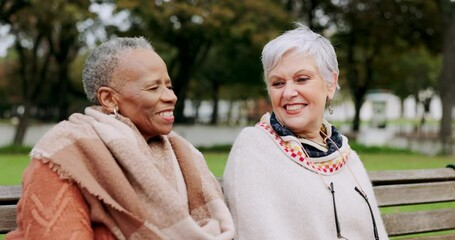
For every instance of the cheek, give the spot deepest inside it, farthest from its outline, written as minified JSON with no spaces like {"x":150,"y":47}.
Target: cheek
{"x":275,"y":96}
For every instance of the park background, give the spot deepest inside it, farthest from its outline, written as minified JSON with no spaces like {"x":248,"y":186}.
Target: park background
{"x":396,"y":59}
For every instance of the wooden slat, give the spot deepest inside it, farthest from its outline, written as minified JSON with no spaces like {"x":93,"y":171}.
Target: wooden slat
{"x":7,"y":218}
{"x":405,"y":194}
{"x":9,"y":194}
{"x":398,"y":224}
{"x":411,"y":176}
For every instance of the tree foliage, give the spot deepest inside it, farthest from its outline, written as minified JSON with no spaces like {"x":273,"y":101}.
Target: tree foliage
{"x":367,"y":31}
{"x":46,"y":42}
{"x":213,"y":47}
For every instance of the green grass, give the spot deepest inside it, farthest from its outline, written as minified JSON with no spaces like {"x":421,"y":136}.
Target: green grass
{"x":12,"y":165}
{"x":11,"y":168}
{"x":216,"y":162}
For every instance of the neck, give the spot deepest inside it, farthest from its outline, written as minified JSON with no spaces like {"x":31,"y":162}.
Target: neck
{"x":313,"y":136}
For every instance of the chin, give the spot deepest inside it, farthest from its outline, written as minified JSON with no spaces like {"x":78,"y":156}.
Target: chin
{"x":166,"y":132}
{"x":294,"y":126}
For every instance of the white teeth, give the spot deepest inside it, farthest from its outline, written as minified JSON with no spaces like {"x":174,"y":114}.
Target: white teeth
{"x":167,"y":114}
{"x":293,"y":107}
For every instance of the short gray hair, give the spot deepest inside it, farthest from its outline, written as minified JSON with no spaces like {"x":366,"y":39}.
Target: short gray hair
{"x":101,"y":63}
{"x":303,"y":41}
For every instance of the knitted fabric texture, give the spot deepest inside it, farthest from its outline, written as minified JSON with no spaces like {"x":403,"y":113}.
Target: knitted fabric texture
{"x":53,"y":208}
{"x":125,"y":190}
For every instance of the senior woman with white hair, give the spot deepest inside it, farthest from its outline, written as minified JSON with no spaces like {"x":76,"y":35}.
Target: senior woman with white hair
{"x":294,"y":175}
{"x":118,"y":171}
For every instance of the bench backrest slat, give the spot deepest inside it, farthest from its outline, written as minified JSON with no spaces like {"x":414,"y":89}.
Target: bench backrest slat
{"x":7,"y":218}
{"x":416,"y":193}
{"x":411,"y":176}
{"x":9,"y":194}
{"x":419,"y":222}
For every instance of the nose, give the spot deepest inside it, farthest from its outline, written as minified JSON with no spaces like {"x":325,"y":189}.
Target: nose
{"x":168,"y":95}
{"x":289,"y":90}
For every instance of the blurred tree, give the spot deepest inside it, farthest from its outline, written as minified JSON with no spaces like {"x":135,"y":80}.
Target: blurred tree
{"x":232,"y":65}
{"x":447,"y":78}
{"x":313,"y":13}
{"x":368,"y":30}
{"x":185,"y":31}
{"x":415,"y":70}
{"x":46,"y":42}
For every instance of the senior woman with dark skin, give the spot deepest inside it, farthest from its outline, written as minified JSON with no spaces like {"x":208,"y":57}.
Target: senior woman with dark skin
{"x":293,"y":175}
{"x":118,"y":171}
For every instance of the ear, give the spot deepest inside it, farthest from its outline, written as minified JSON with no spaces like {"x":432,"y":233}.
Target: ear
{"x":332,"y":87}
{"x":107,"y":98}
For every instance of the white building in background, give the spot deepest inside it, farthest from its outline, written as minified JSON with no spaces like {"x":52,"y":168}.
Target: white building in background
{"x":388,"y":106}
{"x":378,"y":107}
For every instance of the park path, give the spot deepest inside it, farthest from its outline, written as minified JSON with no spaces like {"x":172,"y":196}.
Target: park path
{"x":198,"y":135}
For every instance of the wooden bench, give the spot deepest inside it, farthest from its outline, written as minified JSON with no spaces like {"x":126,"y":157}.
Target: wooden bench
{"x":392,"y":188}
{"x":9,"y":196}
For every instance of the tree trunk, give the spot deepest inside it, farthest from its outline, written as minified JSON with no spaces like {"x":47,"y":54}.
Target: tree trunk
{"x":62,"y":86}
{"x":215,"y":100}
{"x":181,"y":84}
{"x":189,"y":55}
{"x":22,"y":126}
{"x":359,"y":98}
{"x":402,"y":116}
{"x":447,"y":79}
{"x":229,"y":113}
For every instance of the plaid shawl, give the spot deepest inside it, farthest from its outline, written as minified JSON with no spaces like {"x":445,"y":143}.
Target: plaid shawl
{"x":113,"y":166}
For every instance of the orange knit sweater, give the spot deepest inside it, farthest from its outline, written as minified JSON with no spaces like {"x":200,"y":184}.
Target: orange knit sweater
{"x":52,"y":208}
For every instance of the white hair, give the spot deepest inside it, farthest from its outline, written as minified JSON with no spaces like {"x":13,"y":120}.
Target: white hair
{"x":303,"y":41}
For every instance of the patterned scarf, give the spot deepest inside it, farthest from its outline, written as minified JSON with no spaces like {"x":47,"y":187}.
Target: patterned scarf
{"x":312,"y":151}
{"x":324,"y":162}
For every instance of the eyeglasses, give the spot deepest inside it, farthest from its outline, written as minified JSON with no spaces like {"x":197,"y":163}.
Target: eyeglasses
{"x":337,"y":224}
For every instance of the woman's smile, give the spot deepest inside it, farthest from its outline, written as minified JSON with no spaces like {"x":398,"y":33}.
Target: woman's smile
{"x":294,"y":108}
{"x":167,"y":115}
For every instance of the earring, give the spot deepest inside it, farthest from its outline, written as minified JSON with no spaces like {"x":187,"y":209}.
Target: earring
{"x":116,"y":114}
{"x":330,"y":107}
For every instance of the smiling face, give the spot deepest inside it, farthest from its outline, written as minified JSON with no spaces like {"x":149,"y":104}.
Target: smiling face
{"x":144,"y":92}
{"x":298,"y":94}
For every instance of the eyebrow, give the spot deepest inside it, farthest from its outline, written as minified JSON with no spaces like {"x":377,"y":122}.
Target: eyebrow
{"x":301,"y":71}
{"x":158,"y":81}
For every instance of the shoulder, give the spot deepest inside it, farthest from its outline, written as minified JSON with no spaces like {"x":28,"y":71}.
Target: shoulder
{"x":74,"y":127}
{"x":63,"y":134}
{"x":249,"y":139}
{"x":249,"y":134}
{"x":250,"y":142}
